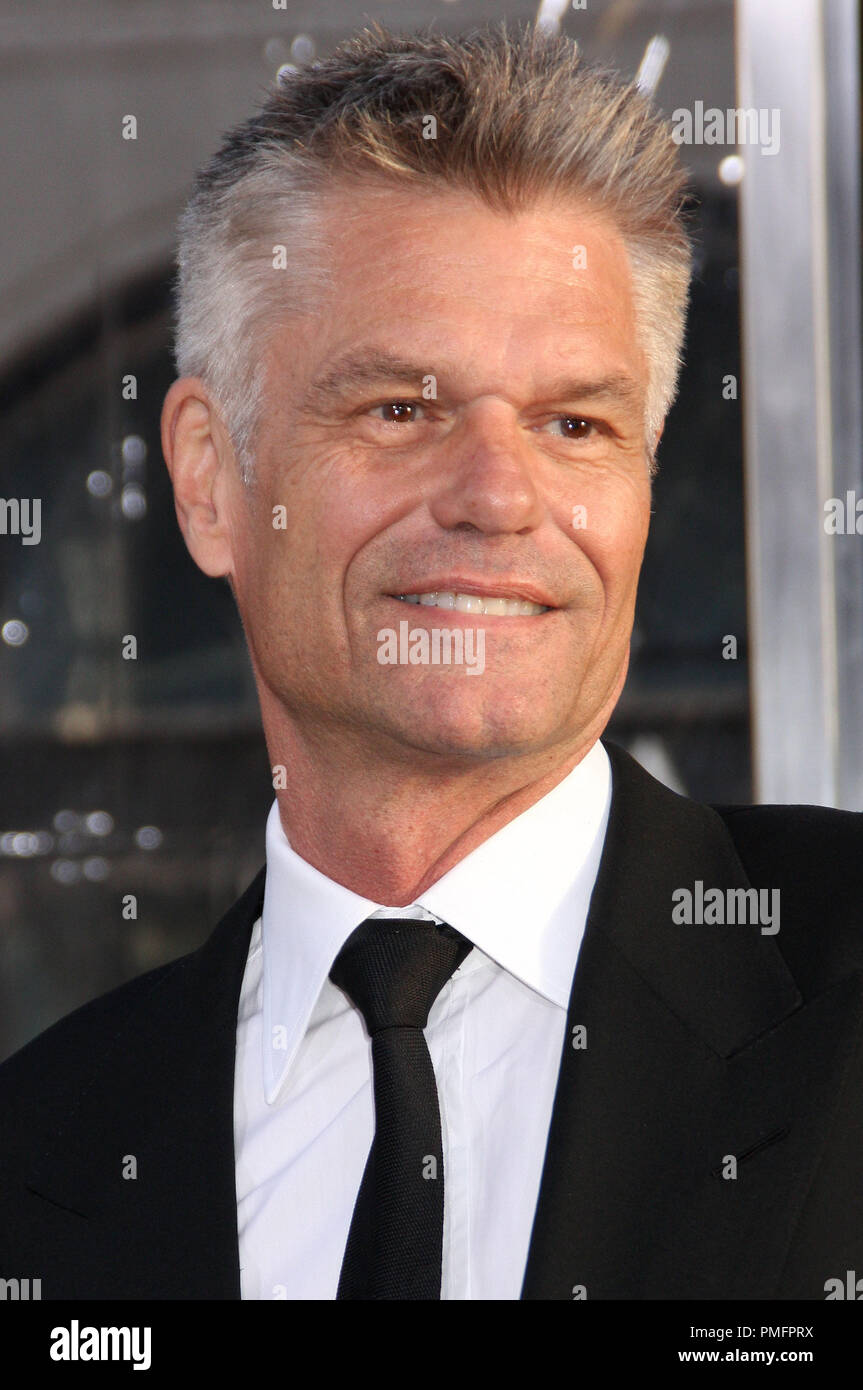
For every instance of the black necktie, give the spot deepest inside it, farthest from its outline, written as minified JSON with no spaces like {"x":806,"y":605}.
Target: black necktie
{"x":393,"y":969}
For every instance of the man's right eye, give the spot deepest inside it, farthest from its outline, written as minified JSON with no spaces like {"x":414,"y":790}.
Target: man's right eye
{"x":399,"y":417}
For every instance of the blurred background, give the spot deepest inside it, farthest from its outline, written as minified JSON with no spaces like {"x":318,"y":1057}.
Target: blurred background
{"x":135,"y":792}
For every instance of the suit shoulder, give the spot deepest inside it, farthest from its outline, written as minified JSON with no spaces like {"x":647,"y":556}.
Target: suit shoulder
{"x":141,"y":1009}
{"x":813,"y":857}
{"x":798,"y":839}
{"x":70,"y":1044}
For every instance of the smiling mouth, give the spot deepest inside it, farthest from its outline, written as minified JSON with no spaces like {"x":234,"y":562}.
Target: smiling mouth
{"x":480,"y":605}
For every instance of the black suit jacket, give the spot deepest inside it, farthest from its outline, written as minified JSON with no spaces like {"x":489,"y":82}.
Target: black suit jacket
{"x":702,"y":1042}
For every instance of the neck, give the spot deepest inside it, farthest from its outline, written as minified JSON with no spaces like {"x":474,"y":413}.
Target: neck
{"x":387,"y":828}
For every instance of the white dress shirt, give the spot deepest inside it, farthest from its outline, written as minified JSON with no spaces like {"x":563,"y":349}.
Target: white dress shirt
{"x":303,"y":1099}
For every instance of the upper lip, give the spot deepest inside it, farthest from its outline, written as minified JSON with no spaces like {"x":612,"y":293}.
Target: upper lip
{"x":484,"y":588}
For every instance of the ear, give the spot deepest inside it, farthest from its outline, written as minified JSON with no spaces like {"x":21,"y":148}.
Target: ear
{"x":204,"y":474}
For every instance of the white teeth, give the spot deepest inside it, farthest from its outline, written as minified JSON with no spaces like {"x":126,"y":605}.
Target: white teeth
{"x":469,"y":603}
{"x":475,"y":603}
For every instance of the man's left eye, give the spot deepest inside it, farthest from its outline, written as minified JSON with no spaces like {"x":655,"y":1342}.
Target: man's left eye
{"x":574,"y":426}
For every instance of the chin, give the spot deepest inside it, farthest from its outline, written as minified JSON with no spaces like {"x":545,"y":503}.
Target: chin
{"x":491,"y":736}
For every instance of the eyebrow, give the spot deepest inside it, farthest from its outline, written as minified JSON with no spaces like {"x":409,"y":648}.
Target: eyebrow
{"x":358,"y":370}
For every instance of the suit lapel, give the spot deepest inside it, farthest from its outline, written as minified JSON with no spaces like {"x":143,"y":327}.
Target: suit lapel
{"x":162,"y":1095}
{"x":698,"y":1050}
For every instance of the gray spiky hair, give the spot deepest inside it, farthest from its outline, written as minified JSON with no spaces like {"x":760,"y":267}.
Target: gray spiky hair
{"x":519,"y":116}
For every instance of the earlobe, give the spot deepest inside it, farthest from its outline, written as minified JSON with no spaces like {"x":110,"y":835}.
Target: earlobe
{"x":199,"y":461}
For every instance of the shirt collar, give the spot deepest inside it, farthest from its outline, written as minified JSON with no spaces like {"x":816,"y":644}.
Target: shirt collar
{"x":521,"y":898}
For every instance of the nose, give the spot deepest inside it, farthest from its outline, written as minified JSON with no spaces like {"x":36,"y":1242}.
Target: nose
{"x":485,"y":477}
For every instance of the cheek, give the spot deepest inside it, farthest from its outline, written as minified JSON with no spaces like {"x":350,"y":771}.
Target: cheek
{"x":610,"y":528}
{"x":333,"y":503}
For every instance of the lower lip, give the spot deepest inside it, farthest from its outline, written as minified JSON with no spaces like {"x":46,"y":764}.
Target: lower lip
{"x":413,"y":611}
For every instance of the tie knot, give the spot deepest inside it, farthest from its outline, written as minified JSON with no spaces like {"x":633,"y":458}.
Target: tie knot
{"x":393,"y":969}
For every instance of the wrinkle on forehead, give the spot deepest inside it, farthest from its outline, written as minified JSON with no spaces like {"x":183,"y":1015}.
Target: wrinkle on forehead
{"x":412,"y":272}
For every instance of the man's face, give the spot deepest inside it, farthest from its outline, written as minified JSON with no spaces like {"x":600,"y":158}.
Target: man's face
{"x":500,"y":453}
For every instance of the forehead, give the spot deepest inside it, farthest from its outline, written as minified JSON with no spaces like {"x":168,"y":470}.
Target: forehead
{"x":435,"y":233}
{"x":442,"y":272}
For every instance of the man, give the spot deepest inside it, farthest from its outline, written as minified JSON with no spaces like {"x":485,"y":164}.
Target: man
{"x":504,"y":1018}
